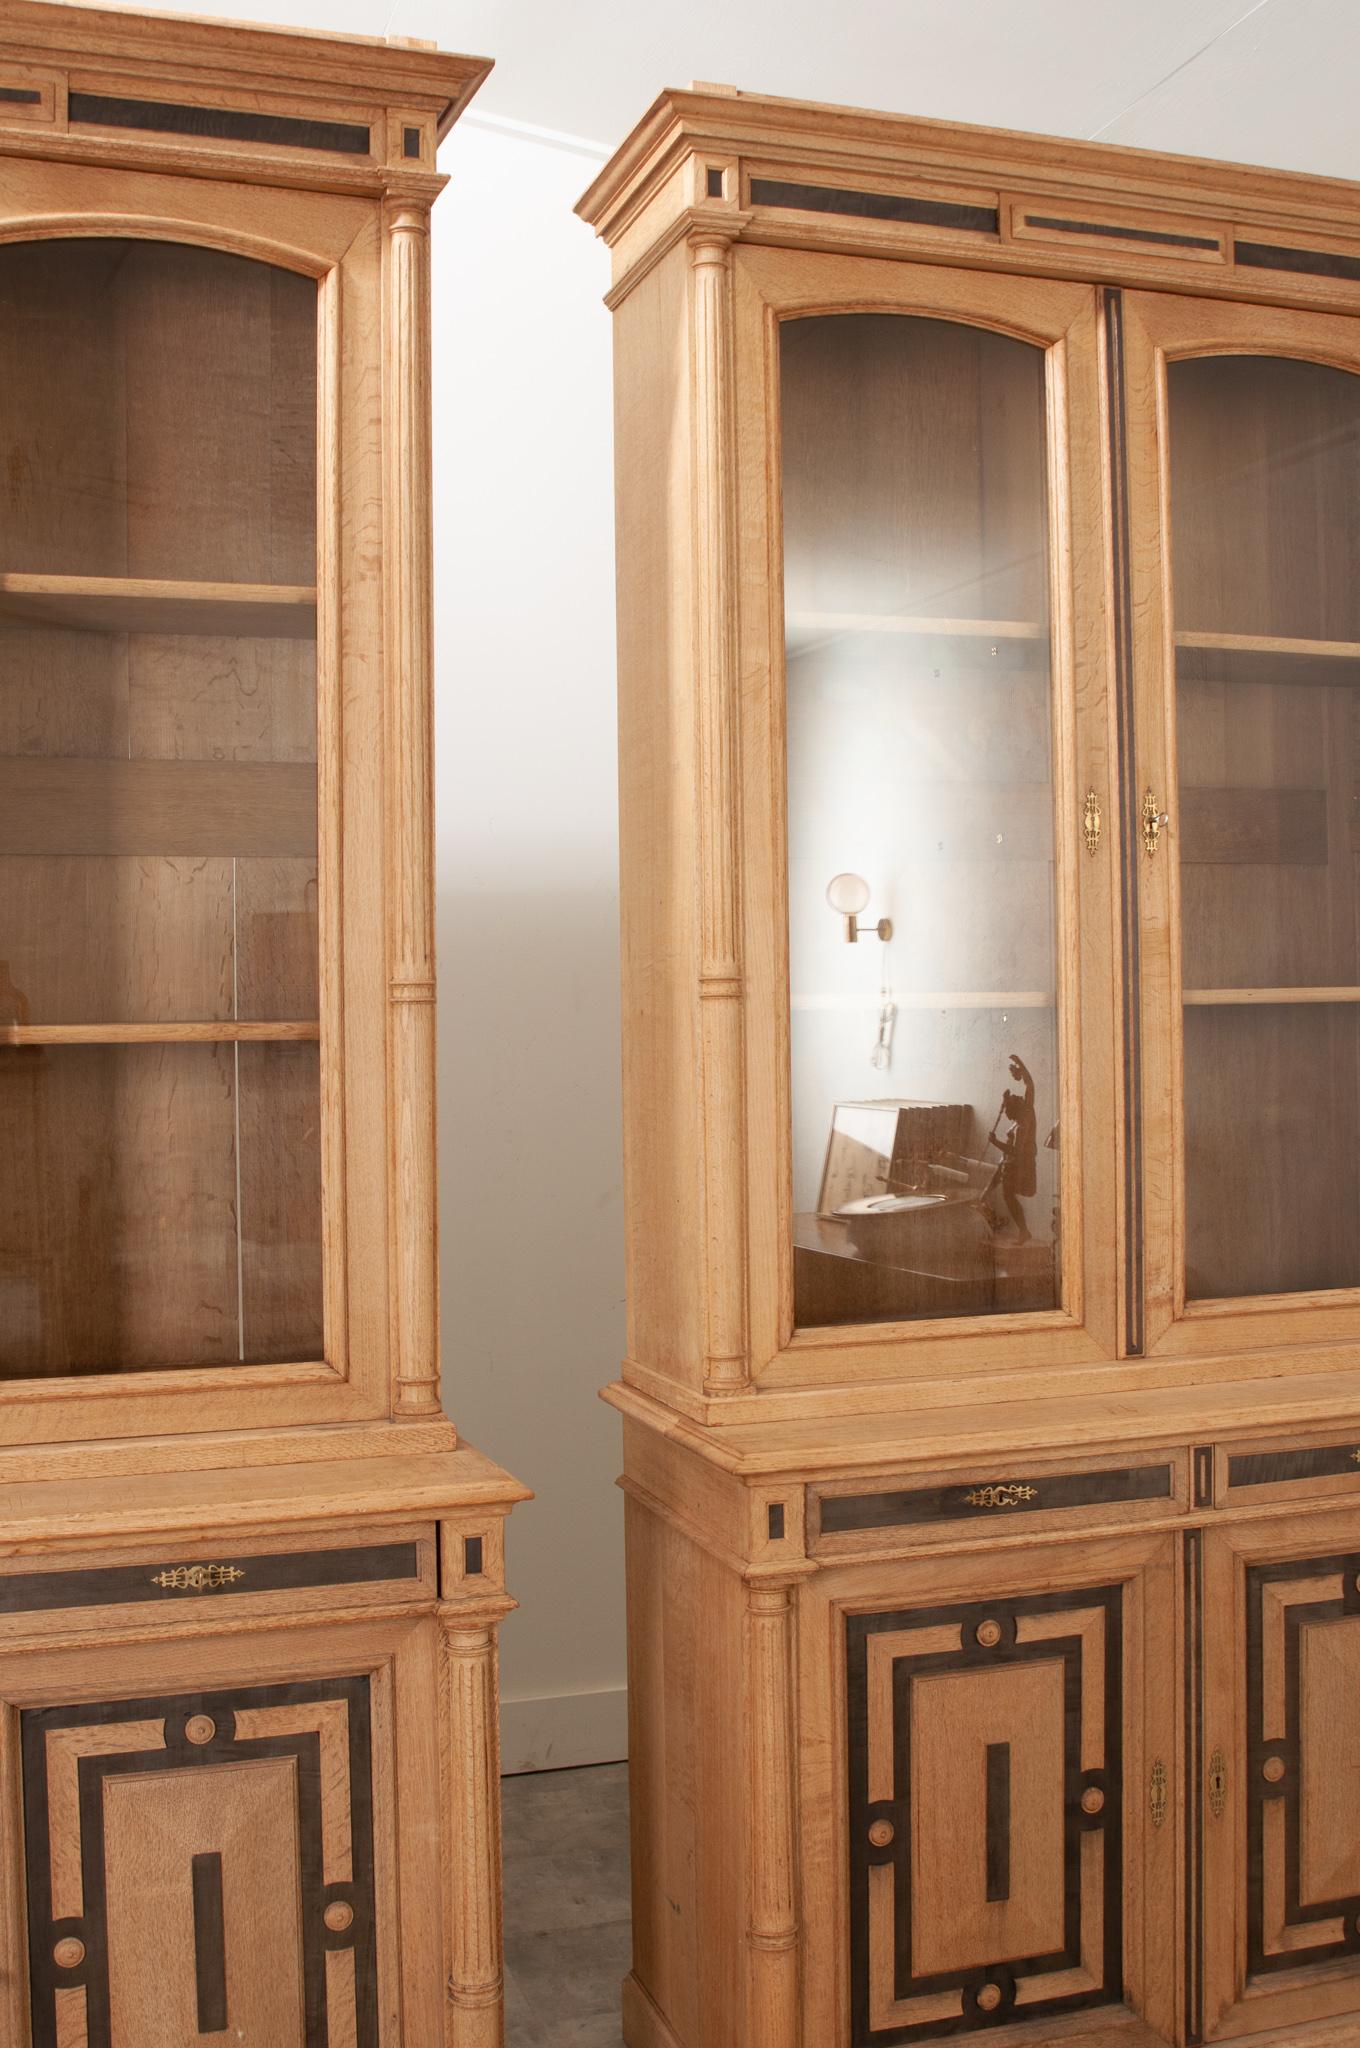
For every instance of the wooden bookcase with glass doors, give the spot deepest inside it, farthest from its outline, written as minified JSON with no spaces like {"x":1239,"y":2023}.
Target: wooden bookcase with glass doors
{"x":989,"y":515}
{"x":251,"y":1579}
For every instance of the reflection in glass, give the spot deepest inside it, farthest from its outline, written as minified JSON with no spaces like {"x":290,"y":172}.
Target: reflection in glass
{"x":925,"y":1061}
{"x":1265,"y":523}
{"x":159,"y":1200}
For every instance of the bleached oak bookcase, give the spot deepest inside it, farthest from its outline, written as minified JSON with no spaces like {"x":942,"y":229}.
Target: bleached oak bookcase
{"x":989,"y":517}
{"x":250,"y":1580}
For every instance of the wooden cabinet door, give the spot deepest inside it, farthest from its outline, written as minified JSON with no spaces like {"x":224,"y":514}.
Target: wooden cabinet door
{"x":995,"y":1752}
{"x":200,"y":1867}
{"x":1242,"y":466}
{"x":1282,"y":1775}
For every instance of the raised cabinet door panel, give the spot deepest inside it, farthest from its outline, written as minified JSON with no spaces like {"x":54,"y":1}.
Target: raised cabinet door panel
{"x":200,"y":1867}
{"x":1243,"y":467}
{"x":1282,"y":1818}
{"x":994,"y":1756}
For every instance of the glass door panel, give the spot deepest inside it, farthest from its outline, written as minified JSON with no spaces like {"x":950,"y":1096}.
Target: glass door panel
{"x":925,"y":1073}
{"x":1265,"y":524}
{"x":159,"y":1030}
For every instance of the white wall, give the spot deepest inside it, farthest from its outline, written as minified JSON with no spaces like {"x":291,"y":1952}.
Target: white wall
{"x":526,"y":852}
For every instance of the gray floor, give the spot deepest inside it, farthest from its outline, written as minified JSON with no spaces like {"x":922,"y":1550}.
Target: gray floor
{"x":566,"y":1906}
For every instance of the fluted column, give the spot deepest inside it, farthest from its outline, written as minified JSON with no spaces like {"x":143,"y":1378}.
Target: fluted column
{"x":470,"y":1769}
{"x":773,"y":2018}
{"x":723,"y":1050}
{"x":410,"y":798}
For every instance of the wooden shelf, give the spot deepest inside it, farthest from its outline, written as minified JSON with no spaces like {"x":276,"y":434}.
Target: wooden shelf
{"x":1207,"y":998}
{"x":226,"y":1032}
{"x":137,"y":604}
{"x":1264,"y":658}
{"x":803,"y":630}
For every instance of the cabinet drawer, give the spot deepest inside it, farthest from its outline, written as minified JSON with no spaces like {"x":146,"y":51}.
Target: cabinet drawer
{"x":1252,"y":1475}
{"x":890,"y":1511}
{"x":361,"y":1568}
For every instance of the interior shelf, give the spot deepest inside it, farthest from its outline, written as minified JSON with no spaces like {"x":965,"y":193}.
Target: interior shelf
{"x":76,"y":805}
{"x":139,"y":604}
{"x":1214,"y":997}
{"x":804,"y":629}
{"x":227,"y":1031}
{"x":1265,"y":658}
{"x":935,"y":999}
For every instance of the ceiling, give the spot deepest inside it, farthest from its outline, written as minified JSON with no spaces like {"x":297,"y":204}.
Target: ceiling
{"x":1265,"y":81}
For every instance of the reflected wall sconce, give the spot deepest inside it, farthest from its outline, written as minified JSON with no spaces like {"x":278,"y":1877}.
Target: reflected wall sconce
{"x":848,"y":895}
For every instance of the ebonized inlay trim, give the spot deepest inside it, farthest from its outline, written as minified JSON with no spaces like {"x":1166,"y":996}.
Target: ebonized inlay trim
{"x":119,"y":1585}
{"x":1310,"y":262}
{"x":221,"y":124}
{"x":20,"y":95}
{"x":1203,"y":1469}
{"x":1130,"y":837}
{"x":934,"y":213}
{"x":1271,"y":1468}
{"x":996,"y":1651}
{"x":1192,"y":1570}
{"x":973,"y":1501}
{"x":998,"y":1821}
{"x":179,"y":1753}
{"x":775,"y":1521}
{"x":713,"y":183}
{"x":410,"y":142}
{"x":210,"y":1944}
{"x":1115,"y":232}
{"x":472,"y":1557}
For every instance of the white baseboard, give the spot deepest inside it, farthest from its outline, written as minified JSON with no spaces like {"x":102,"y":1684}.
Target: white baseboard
{"x":563,"y":1730}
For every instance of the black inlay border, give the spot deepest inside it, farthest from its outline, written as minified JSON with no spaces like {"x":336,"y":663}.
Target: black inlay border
{"x":210,"y":1944}
{"x":1203,"y":1471}
{"x":20,"y":95}
{"x":1192,"y":1603}
{"x":933,"y":213}
{"x":974,"y":1500}
{"x":283,"y":1572}
{"x":473,"y":1566}
{"x":1273,"y":1468}
{"x":1115,"y":232}
{"x":410,"y":142}
{"x":974,"y":1656}
{"x":1308,"y":262}
{"x":220,"y":124}
{"x":1134,"y":1249}
{"x":998,"y":1821}
{"x":1288,"y":1749}
{"x":180,"y":1753}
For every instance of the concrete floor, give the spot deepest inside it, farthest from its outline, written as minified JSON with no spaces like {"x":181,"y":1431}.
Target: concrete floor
{"x":567,"y":1938}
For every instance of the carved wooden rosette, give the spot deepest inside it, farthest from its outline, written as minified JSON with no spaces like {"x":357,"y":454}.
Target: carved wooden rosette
{"x":774,"y":2016}
{"x":722,"y":1022}
{"x":410,"y":798}
{"x":470,"y":1786}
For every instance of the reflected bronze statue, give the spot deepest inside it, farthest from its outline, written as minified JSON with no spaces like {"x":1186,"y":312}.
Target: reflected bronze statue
{"x":1017,"y":1170}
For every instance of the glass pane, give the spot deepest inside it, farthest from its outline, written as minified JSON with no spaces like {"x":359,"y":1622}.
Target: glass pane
{"x":1266,"y":549}
{"x":925,"y":1061}
{"x":158,"y":821}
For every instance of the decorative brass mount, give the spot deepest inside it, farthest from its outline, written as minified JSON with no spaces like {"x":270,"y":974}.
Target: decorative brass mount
{"x":1218,"y":1784}
{"x":1157,"y":1793}
{"x":1153,"y":821}
{"x":1091,"y":821}
{"x":198,"y":1578}
{"x":1009,"y":1496}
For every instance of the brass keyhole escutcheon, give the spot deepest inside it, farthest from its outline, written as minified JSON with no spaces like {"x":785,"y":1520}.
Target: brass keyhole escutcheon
{"x":1218,"y":1784}
{"x":1091,"y":821}
{"x":1157,"y":1793}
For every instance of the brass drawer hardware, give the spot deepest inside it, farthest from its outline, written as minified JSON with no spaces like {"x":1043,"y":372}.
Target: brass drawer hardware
{"x":1157,"y":1793}
{"x":1008,"y":1496}
{"x":1091,"y":821}
{"x":198,"y":1578}
{"x":1153,"y":821}
{"x":1218,"y":1784}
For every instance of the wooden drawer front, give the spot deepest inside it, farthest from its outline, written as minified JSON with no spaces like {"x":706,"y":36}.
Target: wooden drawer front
{"x":985,"y":1813}
{"x":203,"y":1865}
{"x":1252,"y":1475}
{"x":1303,"y":1748}
{"x":881,"y":1513}
{"x":396,"y":1563}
